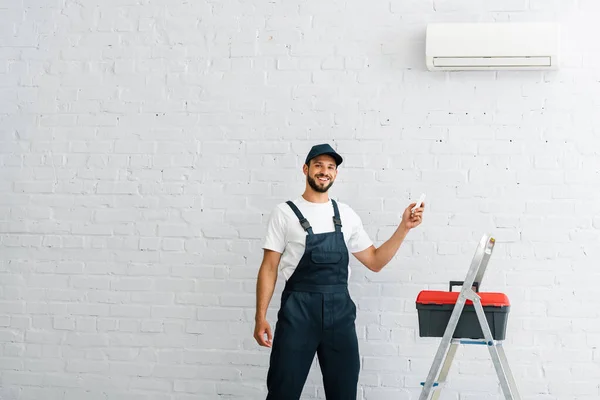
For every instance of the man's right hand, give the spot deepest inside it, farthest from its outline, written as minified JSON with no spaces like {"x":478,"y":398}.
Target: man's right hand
{"x":261,"y":329}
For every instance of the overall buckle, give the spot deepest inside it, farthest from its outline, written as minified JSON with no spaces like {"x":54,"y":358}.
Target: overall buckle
{"x":305,"y":224}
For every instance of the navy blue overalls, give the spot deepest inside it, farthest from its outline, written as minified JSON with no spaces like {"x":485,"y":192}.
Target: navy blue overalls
{"x":316,"y":315}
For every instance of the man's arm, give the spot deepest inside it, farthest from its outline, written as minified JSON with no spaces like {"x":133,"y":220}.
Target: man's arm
{"x":377,"y":258}
{"x":265,"y":285}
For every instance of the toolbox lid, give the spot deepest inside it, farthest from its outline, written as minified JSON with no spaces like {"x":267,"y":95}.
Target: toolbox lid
{"x":441,"y":297}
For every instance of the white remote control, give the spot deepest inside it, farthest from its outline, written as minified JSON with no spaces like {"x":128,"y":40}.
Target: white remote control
{"x":420,"y":202}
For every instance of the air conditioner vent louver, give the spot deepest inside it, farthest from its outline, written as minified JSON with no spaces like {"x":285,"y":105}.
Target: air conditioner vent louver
{"x":492,"y":46}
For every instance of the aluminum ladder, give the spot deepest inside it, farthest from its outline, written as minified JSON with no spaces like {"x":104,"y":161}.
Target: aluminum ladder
{"x":438,"y":372}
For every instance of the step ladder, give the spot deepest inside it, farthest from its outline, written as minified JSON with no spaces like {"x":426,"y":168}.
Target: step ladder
{"x":442,"y":361}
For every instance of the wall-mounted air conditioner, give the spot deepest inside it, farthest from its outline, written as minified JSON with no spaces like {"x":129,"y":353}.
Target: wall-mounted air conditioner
{"x":492,"y":46}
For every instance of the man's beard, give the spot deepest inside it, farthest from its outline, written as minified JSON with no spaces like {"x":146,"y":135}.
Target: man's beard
{"x":316,"y":187}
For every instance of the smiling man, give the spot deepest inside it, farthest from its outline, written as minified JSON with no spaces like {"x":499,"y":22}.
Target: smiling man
{"x":309,"y":240}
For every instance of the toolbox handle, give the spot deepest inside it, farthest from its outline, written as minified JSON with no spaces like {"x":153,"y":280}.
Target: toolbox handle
{"x":460,"y":283}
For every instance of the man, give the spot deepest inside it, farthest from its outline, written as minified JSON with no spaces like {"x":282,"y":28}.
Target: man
{"x":309,"y":239}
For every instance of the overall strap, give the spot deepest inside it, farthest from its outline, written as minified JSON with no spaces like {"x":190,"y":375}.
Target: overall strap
{"x":303,"y":221}
{"x":336,"y":217}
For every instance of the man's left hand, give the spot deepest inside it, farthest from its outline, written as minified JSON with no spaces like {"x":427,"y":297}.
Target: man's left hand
{"x":411,"y":219}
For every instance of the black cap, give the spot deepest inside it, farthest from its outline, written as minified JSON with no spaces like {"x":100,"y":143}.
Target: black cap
{"x":324,"y":148}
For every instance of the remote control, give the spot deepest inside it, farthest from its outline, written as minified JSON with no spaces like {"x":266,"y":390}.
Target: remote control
{"x":420,"y":202}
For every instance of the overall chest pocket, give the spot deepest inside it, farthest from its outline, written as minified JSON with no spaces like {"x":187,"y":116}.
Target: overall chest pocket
{"x":330,"y":257}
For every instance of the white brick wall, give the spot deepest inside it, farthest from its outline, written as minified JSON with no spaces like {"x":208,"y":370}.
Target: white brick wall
{"x":143,"y":145}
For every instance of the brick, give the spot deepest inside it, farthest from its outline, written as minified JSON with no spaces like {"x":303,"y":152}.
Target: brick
{"x":179,"y":372}
{"x":12,"y":307}
{"x":64,"y":323}
{"x":132,"y":284}
{"x":179,"y":312}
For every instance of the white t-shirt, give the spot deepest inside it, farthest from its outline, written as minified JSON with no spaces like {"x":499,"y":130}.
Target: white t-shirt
{"x":285,"y":234}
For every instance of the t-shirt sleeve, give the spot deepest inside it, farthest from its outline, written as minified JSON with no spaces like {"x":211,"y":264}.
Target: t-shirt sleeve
{"x":359,"y":239}
{"x":275,"y":238}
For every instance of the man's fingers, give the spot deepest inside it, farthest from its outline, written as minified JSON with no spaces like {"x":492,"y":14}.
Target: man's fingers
{"x":261,"y":340}
{"x":260,"y":337}
{"x":414,"y":210}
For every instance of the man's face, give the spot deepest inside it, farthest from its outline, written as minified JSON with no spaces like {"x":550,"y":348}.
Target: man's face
{"x":321,"y":173}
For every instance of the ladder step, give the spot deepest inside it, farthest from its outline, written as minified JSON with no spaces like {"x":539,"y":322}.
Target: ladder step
{"x":476,"y":342}
{"x":435,"y":384}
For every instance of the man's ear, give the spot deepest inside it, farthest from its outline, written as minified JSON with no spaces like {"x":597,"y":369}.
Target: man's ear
{"x":305,"y":169}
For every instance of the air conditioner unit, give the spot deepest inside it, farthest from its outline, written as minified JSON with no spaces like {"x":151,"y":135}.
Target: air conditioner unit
{"x":492,"y":46}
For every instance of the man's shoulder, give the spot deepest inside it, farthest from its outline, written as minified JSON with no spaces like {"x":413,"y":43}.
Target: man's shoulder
{"x":282,"y":206}
{"x":282,"y":210}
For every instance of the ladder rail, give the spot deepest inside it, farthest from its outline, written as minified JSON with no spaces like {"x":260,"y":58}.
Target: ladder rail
{"x":508,"y":371}
{"x":487,"y":254}
{"x":487,"y":333}
{"x":445,"y":370}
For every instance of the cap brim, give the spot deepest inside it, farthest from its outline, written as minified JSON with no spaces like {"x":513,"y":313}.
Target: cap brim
{"x":338,"y":159}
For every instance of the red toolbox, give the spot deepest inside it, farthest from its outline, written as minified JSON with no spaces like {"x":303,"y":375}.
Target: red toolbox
{"x":435,"y":308}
